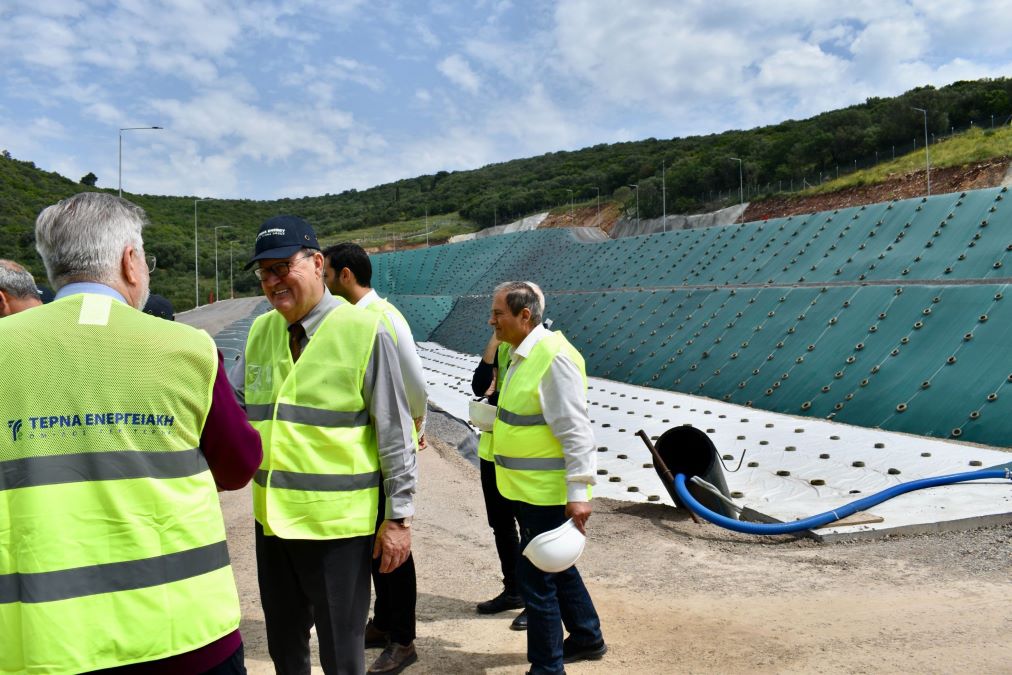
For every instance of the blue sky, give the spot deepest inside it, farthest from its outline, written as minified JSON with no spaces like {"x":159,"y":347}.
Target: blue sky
{"x":263,"y":99}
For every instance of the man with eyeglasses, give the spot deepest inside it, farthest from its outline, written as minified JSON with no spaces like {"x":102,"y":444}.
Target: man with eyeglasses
{"x":321,"y":382}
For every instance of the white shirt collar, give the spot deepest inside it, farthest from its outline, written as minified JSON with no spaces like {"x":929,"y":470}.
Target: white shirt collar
{"x":367,"y":299}
{"x":534,"y":337}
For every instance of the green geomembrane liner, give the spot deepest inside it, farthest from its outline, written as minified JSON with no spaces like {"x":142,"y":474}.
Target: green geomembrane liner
{"x":889,"y":315}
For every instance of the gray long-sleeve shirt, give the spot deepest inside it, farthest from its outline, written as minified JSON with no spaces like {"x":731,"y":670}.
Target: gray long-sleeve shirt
{"x":411,"y":364}
{"x":386,"y":401}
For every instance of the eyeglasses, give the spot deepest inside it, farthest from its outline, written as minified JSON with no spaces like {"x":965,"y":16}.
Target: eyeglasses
{"x":280,"y":269}
{"x":149,"y":260}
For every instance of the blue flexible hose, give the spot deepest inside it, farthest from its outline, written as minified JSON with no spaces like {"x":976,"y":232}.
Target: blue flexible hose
{"x":829,"y":516}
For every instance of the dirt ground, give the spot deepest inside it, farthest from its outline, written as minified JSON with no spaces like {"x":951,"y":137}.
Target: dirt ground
{"x":675,"y":596}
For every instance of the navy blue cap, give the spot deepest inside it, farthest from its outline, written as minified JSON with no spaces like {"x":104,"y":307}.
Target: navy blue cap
{"x":160,"y":306}
{"x":282,"y":237}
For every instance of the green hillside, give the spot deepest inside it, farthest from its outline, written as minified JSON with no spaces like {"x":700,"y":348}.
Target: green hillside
{"x":698,"y":175}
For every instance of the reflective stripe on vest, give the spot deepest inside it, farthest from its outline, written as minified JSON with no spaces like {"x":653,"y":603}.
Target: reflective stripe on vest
{"x":290,"y":480}
{"x":95,"y":466}
{"x":521,"y":420}
{"x":530,"y":465}
{"x":287,"y":412}
{"x":111,"y":577}
{"x":106,"y":500}
{"x":502,"y":360}
{"x":320,"y":468}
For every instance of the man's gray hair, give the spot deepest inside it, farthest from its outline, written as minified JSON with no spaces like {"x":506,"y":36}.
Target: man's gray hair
{"x":523,"y":294}
{"x":16,"y":280}
{"x":82,"y":237}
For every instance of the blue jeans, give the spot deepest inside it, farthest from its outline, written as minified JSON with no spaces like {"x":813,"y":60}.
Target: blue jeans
{"x":552,"y":600}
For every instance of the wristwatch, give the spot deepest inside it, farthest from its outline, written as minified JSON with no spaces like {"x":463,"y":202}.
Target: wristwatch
{"x":403,"y":522}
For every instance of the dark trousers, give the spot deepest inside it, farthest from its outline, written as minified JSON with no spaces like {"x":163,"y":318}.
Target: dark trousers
{"x":396,"y":593}
{"x":233,"y":665}
{"x":504,"y":528}
{"x":326,"y":583}
{"x":553,"y":600}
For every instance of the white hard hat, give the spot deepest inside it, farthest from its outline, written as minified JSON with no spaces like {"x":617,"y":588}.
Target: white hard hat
{"x":482,"y":415}
{"x":556,"y":550}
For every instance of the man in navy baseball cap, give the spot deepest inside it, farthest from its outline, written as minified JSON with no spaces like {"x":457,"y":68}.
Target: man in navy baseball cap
{"x":321,"y":382}
{"x":281,"y":237}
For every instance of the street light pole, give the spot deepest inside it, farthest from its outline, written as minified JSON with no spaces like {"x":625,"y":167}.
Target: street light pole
{"x":741,"y":186}
{"x":664,"y":199}
{"x":637,"y":186}
{"x":196,"y":259}
{"x":231,"y":287}
{"x":122,"y":129}
{"x":217,"y":292}
{"x":927,"y":150}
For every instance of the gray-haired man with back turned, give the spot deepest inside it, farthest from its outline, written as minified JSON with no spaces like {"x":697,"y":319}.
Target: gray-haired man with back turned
{"x":18,"y":291}
{"x":114,"y":552}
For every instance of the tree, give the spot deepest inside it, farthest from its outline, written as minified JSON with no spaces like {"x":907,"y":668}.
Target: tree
{"x":90,"y":179}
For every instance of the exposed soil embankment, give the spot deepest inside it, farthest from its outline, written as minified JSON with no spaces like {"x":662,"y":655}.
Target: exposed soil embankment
{"x":953,"y":179}
{"x":586,"y":216}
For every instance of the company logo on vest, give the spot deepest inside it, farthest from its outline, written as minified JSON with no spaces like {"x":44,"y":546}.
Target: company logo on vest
{"x":47,"y":424}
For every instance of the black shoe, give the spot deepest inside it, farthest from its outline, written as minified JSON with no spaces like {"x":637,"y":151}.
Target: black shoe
{"x":374,"y":637}
{"x":539,"y":672}
{"x":500,"y":603}
{"x":571,"y":653}
{"x":394,"y":659}
{"x":520,"y":622}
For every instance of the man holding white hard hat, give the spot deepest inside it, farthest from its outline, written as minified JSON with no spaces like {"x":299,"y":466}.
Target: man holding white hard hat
{"x":545,"y":458}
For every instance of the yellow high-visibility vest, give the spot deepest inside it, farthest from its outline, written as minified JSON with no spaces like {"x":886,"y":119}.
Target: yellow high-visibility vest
{"x":320,"y":470}
{"x":502,"y":359}
{"x":529,"y":463}
{"x":112,"y":543}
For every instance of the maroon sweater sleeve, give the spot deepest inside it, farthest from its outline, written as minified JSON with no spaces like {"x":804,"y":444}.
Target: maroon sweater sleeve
{"x":233,"y":451}
{"x":230,"y":445}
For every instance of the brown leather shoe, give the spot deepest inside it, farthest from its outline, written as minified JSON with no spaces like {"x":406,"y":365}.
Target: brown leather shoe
{"x":374,"y":637}
{"x":394,"y":659}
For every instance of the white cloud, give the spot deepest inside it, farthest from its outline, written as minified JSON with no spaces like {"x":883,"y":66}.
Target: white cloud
{"x":104,"y":112}
{"x":425,"y":34}
{"x":290,"y":97}
{"x":799,"y":66}
{"x":458,"y":71}
{"x":186,"y":66}
{"x":354,"y":71}
{"x":46,"y":128}
{"x":726,"y":64}
{"x":535,"y":124}
{"x":338,"y":69}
